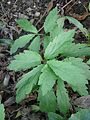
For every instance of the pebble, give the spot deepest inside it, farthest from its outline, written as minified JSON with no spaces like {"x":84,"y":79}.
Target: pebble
{"x":29,"y":9}
{"x":32,"y":21}
{"x":6,"y":80}
{"x":37,"y":14}
{"x":9,"y":2}
{"x":23,"y":16}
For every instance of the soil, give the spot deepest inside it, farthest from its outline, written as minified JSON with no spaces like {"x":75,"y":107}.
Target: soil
{"x":33,"y":10}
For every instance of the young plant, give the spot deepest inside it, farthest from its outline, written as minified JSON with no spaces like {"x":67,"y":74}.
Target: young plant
{"x":48,"y":71}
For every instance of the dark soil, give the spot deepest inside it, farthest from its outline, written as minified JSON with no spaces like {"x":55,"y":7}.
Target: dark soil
{"x":33,"y":10}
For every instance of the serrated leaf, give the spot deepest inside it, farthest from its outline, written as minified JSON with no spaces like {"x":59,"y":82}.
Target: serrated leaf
{"x":35,"y":45}
{"x":82,"y":90}
{"x":58,"y":28}
{"x":83,"y":114}
{"x":21,"y":42}
{"x":47,"y":80}
{"x":46,"y":41}
{"x":50,"y":20}
{"x":47,"y":102}
{"x":25,"y":60}
{"x":62,"y":97}
{"x":55,"y":31}
{"x":26,"y":25}
{"x":77,"y":24}
{"x":54,"y":116}
{"x":75,"y":50}
{"x":53,"y":49}
{"x":2,"y":112}
{"x":72,"y":73}
{"x":79,"y":63}
{"x":27,"y":82}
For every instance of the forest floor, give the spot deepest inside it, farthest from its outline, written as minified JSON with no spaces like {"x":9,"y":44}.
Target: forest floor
{"x":33,"y":10}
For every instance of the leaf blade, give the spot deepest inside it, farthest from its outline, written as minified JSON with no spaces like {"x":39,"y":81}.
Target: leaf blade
{"x":77,"y":24}
{"x":74,"y":75}
{"x":46,"y":80}
{"x":83,"y":114}
{"x":26,"y":25}
{"x":47,"y":102}
{"x":27,"y":82}
{"x":62,"y":97}
{"x":75,"y":50}
{"x":25,"y":60}
{"x":54,"y":116}
{"x":50,"y":20}
{"x":35,"y":45}
{"x":2,"y":113}
{"x":53,"y":49}
{"x":21,"y":42}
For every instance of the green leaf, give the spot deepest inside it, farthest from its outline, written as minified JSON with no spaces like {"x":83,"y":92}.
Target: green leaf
{"x":54,"y":116}
{"x":25,"y":60}
{"x":27,"y":82}
{"x":82,"y":90}
{"x":2,"y":113}
{"x":83,"y":114}
{"x":62,"y":97}
{"x":58,"y":28}
{"x":46,"y":41}
{"x":79,"y":63}
{"x":50,"y":20}
{"x":53,"y":49}
{"x":88,"y":62}
{"x":55,"y":32}
{"x":77,"y":24}
{"x":60,"y":23}
{"x":35,"y":45}
{"x":89,"y":7}
{"x":75,"y":50}
{"x":21,"y":42}
{"x":47,"y":102}
{"x":27,"y":26}
{"x":74,"y":74}
{"x":47,"y":80}
{"x":35,"y":108}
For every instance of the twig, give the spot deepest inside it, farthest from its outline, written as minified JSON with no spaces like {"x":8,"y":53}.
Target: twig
{"x":50,"y":5}
{"x":67,"y":4}
{"x":41,"y":18}
{"x":71,"y":6}
{"x":15,"y":2}
{"x":3,"y":10}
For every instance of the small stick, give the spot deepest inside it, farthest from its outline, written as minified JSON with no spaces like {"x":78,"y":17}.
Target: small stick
{"x":50,"y":5}
{"x":67,"y":4}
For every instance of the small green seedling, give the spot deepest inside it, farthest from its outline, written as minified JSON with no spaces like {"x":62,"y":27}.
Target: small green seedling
{"x":59,"y":61}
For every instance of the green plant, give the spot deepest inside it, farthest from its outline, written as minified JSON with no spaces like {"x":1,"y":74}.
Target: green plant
{"x":2,"y":113}
{"x":58,"y":64}
{"x":83,"y":114}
